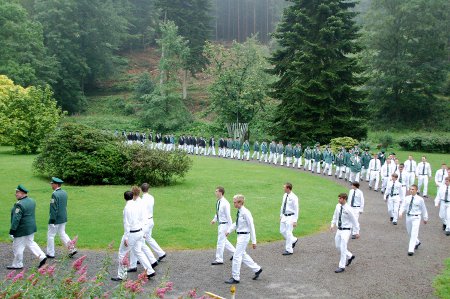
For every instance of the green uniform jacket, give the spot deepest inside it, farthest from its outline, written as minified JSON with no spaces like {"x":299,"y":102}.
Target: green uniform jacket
{"x":23,"y":220}
{"x":246,"y":147}
{"x":328,"y":157}
{"x":308,"y":154}
{"x":297,"y":152}
{"x":288,"y":151}
{"x":256,"y":147}
{"x":347,"y":156}
{"x":273,"y":148}
{"x":365,"y":160}
{"x":237,"y":145}
{"x":317,"y":155}
{"x":58,"y":207}
{"x":354,"y":165}
{"x":339,"y":161}
{"x":264,"y":148}
{"x":280,"y":149}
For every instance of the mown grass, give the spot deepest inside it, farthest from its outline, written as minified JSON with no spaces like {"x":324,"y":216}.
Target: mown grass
{"x":183,"y":211}
{"x":441,"y":282}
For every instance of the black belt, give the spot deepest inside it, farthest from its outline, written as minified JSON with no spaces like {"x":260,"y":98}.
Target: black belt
{"x":242,"y":233}
{"x":223,"y":222}
{"x":414,"y":215}
{"x":446,"y":200}
{"x":344,"y":228}
{"x":135,"y":231}
{"x":289,"y":214}
{"x":356,"y":206}
{"x":393,"y":194}
{"x":150,"y":217}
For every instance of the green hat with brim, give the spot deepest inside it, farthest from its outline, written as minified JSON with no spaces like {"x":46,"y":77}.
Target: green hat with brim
{"x":56,"y":180}
{"x":22,"y":188}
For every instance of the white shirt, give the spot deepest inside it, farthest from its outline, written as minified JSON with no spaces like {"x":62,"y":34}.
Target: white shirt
{"x":147,"y":204}
{"x":224,"y":211}
{"x":418,"y":207}
{"x":348,"y":219}
{"x":387,"y":170}
{"x":410,"y":165}
{"x":131,"y":217}
{"x":359,"y":199}
{"x":423,"y":168}
{"x":395,"y":186}
{"x":440,"y":176}
{"x":375,"y":165}
{"x":404,"y":177}
{"x":440,"y":196}
{"x":245,"y":224}
{"x":291,"y":206}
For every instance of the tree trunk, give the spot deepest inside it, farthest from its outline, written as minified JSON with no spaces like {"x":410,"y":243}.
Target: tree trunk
{"x":184,"y":83}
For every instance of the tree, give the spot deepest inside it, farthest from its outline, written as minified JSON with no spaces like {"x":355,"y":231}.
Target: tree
{"x":407,"y":57}
{"x":23,"y":55}
{"x":164,"y":109}
{"x":319,"y":74}
{"x":240,"y":83}
{"x":27,"y":115}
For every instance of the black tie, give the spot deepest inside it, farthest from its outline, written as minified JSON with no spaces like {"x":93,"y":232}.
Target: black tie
{"x":237,"y":219}
{"x":284,"y":205}
{"x":410,"y":166}
{"x":340,"y":218}
{"x":423,"y":168}
{"x":375,"y":164}
{"x":392,"y":189}
{"x":410,"y":205}
{"x":387,"y":174}
{"x":443,"y":173}
{"x":401,"y":176}
{"x":217,"y":210}
{"x":353,"y":198}
{"x":446,"y":195}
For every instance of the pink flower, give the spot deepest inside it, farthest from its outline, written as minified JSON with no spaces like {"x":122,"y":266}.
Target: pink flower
{"x":134,"y":286}
{"x":30,"y":278}
{"x":43,"y":270}
{"x":143,"y":277}
{"x":125,"y":261}
{"x":82,"y":270}
{"x":192,"y":293}
{"x":11,"y":275}
{"x":78,"y":263}
{"x":19,"y":276}
{"x":82,"y":278}
{"x":71,"y":244}
{"x":169,"y":285}
{"x":161,"y":292}
{"x":51,"y":270}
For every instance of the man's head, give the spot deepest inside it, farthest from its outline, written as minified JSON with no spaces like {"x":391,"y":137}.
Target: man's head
{"x":447,"y":180}
{"x":220,"y":191}
{"x":355,"y":185}
{"x":424,"y":159}
{"x":136,"y":191}
{"x":287,"y":188}
{"x":394,"y":177}
{"x":238,"y":201}
{"x":56,"y":183}
{"x":128,"y":195}
{"x":342,"y":198}
{"x":413,"y":190}
{"x":21,"y":192}
{"x":145,"y":187}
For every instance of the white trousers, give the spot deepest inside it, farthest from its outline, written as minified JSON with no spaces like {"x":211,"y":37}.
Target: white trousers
{"x":148,"y":228}
{"x":374,"y":176}
{"x":272,"y":158}
{"x":237,"y":154}
{"x":316,"y":166}
{"x":307,"y":164}
{"x":411,"y":178}
{"x":246,"y":156}
{"x":211,"y":151}
{"x":412,"y":226}
{"x":356,"y":211}
{"x":223,"y":243}
{"x":341,"y":241}
{"x":444,"y":214}
{"x":364,"y":174}
{"x":263,"y":156}
{"x":423,"y":180}
{"x":298,"y":162}
{"x":19,"y":245}
{"x":384,"y":181}
{"x":354,"y":176}
{"x":288,"y":161}
{"x":286,"y":229}
{"x":240,"y":256}
{"x":53,"y":230}
{"x":135,"y":242}
{"x":339,"y":170}
{"x":393,"y":204}
{"x":257,"y":155}
{"x":327,"y":168}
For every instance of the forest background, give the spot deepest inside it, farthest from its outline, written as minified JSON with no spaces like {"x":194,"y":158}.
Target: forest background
{"x":321,"y":69}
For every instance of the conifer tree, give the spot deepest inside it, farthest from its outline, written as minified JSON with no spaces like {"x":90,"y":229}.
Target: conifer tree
{"x":319,"y":73}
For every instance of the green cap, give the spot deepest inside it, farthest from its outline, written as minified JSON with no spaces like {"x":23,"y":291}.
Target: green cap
{"x":22,"y":188}
{"x":56,"y":180}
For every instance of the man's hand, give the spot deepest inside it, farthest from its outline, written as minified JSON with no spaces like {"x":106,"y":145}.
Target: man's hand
{"x":226,"y":234}
{"x":125,"y":242}
{"x":212,"y":222}
{"x":425,"y":222}
{"x":254,"y":246}
{"x":332,"y":228}
{"x":294,"y":224}
{"x":357,"y":236}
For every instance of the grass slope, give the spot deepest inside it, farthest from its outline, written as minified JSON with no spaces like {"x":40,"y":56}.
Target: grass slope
{"x":182,"y":211}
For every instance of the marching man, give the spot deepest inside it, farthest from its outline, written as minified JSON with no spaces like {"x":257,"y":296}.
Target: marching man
{"x":443,"y":201}
{"x":423,"y":172}
{"x":288,"y":218}
{"x":392,"y":197}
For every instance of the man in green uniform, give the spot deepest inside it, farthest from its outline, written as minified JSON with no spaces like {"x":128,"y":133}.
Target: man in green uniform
{"x":365,"y":160}
{"x":280,"y":153}
{"x":273,"y":152}
{"x":297,"y":155}
{"x":263,"y":152}
{"x":328,"y":160}
{"x":288,"y":151}
{"x":58,"y":219}
{"x":317,"y":156}
{"x":23,"y":227}
{"x":347,"y":156}
{"x":308,"y":159}
{"x":246,"y":148}
{"x":355,"y":168}
{"x":255,"y":150}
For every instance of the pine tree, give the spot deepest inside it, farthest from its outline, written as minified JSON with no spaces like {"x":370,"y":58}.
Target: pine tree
{"x":319,"y":73}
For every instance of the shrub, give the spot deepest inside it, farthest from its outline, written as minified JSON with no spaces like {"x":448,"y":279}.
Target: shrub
{"x":427,"y":142}
{"x":86,"y":156}
{"x":347,"y":142}
{"x":386,"y":140}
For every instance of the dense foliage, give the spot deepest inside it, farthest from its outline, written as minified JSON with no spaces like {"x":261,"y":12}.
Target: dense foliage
{"x":319,"y":74}
{"x":346,"y":142}
{"x":85,"y":156}
{"x":426,"y":142}
{"x":27,"y":115}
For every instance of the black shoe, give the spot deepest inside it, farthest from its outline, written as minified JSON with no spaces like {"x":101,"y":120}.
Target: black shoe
{"x":154,"y":264}
{"x":132,"y":270}
{"x":349,"y":261}
{"x":161,"y":258}
{"x":370,"y":187}
{"x":392,"y":218}
{"x":151,"y":275}
{"x":231,"y":258}
{"x":13,"y":268}
{"x":216,"y":263}
{"x":257,"y":274}
{"x":231,"y":281}
{"x":42,"y":263}
{"x":72,"y":254}
{"x":50,"y":256}
{"x":116,"y":279}
{"x":382,"y":192}
{"x":394,"y":223}
{"x":339,"y":270}
{"x":353,"y":236}
{"x":295,"y":243}
{"x":417,"y":246}
{"x":444,"y":227}
{"x":375,"y":190}
{"x":410,"y":253}
{"x":138,"y":262}
{"x":447,"y":233}
{"x":287,"y":253}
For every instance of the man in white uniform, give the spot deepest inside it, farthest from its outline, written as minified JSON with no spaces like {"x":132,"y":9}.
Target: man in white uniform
{"x":356,"y":197}
{"x":386,"y":171}
{"x":392,"y":197}
{"x":245,"y":230}
{"x":132,"y":238}
{"x":344,"y":219}
{"x":439,"y":177}
{"x":288,"y":218}
{"x":415,"y":210}
{"x":443,"y":201}
{"x":223,"y":219}
{"x":410,"y":167}
{"x":423,"y":172}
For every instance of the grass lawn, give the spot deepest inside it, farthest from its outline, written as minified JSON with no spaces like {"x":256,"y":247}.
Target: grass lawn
{"x":441,"y":282}
{"x":182,"y":211}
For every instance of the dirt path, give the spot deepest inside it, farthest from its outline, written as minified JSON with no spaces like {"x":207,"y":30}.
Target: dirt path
{"x":382,"y":268}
